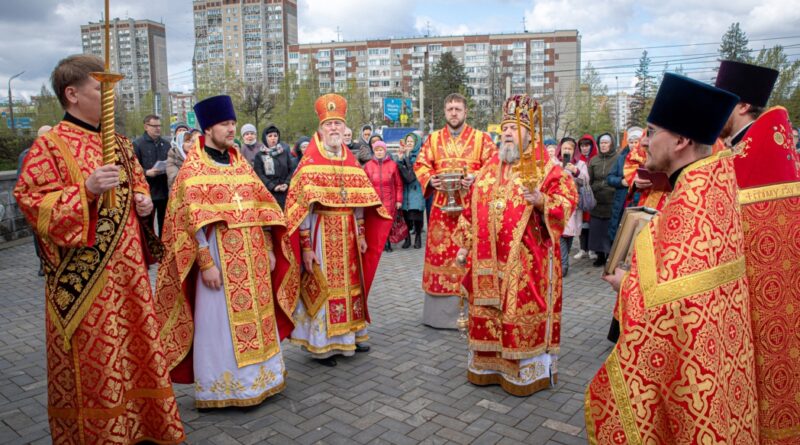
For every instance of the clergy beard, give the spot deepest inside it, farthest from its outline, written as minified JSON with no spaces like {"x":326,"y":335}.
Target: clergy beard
{"x":509,"y":153}
{"x":333,"y":145}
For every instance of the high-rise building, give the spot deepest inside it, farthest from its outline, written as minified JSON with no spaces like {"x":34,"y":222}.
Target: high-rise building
{"x":496,"y":64}
{"x":247,"y":37}
{"x":180,"y":104}
{"x":139,"y":52}
{"x":620,"y":108}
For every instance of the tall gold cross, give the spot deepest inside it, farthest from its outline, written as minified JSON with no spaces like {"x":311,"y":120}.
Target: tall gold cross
{"x":238,"y":200}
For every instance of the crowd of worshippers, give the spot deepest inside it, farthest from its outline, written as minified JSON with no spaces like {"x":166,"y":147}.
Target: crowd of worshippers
{"x":257,"y":242}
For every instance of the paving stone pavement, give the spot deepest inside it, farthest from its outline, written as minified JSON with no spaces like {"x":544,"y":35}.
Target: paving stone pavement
{"x":410,"y":388}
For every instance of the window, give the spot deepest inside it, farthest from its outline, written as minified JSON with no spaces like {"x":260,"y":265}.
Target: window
{"x":435,"y":48}
{"x":323,"y":53}
{"x":340,"y":52}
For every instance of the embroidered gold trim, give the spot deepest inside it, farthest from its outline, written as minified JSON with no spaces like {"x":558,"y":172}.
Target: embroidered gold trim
{"x":240,"y":402}
{"x":509,"y":387}
{"x":656,"y":294}
{"x":769,"y":193}
{"x":45,"y":211}
{"x":618,"y":388}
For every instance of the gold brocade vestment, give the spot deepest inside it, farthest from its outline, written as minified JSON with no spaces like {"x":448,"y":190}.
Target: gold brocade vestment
{"x":107,"y":378}
{"x":683,"y":368}
{"x":443,"y":152}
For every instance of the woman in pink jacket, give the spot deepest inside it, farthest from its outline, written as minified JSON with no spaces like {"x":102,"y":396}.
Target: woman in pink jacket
{"x":576,"y":168}
{"x":385,"y":176}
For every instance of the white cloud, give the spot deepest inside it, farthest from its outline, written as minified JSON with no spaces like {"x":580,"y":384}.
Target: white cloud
{"x":356,"y":19}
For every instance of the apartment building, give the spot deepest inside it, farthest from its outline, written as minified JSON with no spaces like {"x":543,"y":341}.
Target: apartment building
{"x":495,"y":64}
{"x":138,"y":51}
{"x":249,"y":37}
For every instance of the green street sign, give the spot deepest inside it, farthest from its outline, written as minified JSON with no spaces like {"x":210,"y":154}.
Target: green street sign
{"x":191,"y":119}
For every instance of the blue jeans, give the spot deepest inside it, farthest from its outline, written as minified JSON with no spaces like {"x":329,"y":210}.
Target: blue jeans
{"x":566,"y":246}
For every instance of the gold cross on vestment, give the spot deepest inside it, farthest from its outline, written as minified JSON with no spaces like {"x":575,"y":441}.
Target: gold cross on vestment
{"x":238,"y":200}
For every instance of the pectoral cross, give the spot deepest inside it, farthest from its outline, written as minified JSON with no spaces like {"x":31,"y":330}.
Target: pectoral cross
{"x":238,"y":200}
{"x":343,"y":193}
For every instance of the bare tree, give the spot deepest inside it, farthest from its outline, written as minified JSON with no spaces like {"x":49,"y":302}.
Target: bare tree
{"x":257,"y":102}
{"x":558,"y":112}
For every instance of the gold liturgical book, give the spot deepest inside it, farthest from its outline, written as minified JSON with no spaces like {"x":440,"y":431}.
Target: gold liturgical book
{"x":634,"y":219}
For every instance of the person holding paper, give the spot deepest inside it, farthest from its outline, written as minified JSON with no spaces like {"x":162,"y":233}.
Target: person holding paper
{"x":151,"y":150}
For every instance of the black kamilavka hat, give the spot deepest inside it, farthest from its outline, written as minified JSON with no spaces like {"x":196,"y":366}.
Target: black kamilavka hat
{"x":214,"y":110}
{"x":691,"y":108}
{"x":752,"y":83}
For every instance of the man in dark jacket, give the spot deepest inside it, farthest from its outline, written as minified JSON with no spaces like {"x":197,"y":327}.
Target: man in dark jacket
{"x":150,"y":148}
{"x":273,"y":165}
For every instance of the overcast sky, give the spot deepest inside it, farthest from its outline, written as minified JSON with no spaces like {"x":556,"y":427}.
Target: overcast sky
{"x":37,"y":33}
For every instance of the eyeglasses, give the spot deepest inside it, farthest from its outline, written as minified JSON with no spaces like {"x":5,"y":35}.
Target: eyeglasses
{"x":650,"y":131}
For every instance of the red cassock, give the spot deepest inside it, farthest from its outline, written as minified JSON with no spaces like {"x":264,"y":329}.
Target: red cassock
{"x":683,"y":370}
{"x":768,"y":172}
{"x":107,"y":376}
{"x":442,"y":153}
{"x":385,"y":176}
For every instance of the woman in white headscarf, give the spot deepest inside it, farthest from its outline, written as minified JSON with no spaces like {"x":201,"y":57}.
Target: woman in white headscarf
{"x":177,"y":154}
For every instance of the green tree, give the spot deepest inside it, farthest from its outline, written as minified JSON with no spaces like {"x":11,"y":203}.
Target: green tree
{"x":734,"y":44}
{"x":447,"y":76}
{"x":642,"y":98}
{"x":301,"y":118}
{"x":590,"y":104}
{"x":787,"y":82}
{"x":358,"y":107}
{"x":48,"y":110}
{"x":279,"y":114}
{"x":792,"y":105}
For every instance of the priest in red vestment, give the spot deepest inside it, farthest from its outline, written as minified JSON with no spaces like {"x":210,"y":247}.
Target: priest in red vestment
{"x":228,"y":285}
{"x":107,"y":377}
{"x":768,"y":172}
{"x":683,"y":369}
{"x":510,"y":237}
{"x":336,"y":219}
{"x":455,"y":148}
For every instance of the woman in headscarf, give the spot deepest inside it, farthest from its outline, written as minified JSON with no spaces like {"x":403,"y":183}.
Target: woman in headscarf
{"x":413,"y":199}
{"x":621,"y":179}
{"x":181,"y":145}
{"x":385,"y":177}
{"x":574,"y":166}
{"x":273,"y":164}
{"x":599,"y":167}
{"x":297,"y":152}
{"x":587,"y":151}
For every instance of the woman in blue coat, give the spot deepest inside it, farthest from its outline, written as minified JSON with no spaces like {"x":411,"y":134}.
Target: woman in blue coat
{"x":413,"y":201}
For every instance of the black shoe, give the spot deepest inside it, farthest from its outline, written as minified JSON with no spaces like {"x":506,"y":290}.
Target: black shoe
{"x":418,"y":241}
{"x":361,"y":347}
{"x":407,"y":242}
{"x":329,"y":362}
{"x":600,"y":261}
{"x":41,"y":271}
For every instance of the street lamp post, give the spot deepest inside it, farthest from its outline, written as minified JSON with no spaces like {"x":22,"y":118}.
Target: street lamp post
{"x":11,"y":102}
{"x":616,"y":118}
